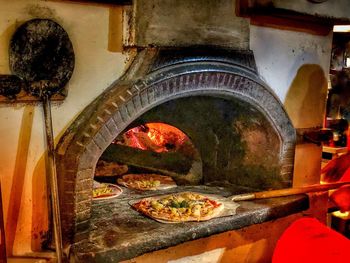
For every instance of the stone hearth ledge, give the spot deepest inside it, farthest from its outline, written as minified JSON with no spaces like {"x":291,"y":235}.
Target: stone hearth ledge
{"x":119,"y":233}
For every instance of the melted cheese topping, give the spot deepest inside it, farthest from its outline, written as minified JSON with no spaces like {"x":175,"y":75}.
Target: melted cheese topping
{"x":180,"y":207}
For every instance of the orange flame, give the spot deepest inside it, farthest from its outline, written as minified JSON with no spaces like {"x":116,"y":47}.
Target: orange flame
{"x":158,"y":137}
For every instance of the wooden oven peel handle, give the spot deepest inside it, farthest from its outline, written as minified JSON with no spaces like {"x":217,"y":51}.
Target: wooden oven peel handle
{"x":52,"y":176}
{"x":288,"y":191}
{"x":44,"y":40}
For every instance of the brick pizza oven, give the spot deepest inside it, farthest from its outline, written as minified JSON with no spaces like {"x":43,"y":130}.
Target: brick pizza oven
{"x":202,"y":79}
{"x":156,"y":77}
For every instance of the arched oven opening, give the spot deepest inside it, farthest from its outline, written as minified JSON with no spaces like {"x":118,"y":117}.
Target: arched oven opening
{"x":150,"y":148}
{"x":198,"y":140}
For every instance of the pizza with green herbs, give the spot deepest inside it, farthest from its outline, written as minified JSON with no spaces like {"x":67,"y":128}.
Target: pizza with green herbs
{"x":180,"y":207}
{"x":147,"y":181}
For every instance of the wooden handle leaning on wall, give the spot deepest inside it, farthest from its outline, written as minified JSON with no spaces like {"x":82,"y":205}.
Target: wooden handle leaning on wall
{"x":288,"y":191}
{"x":115,"y":35}
{"x":2,"y":233}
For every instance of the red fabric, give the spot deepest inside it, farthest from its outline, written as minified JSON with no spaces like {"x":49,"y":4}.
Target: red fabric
{"x":346,"y":176}
{"x":341,"y":197}
{"x":308,"y":240}
{"x":337,"y":168}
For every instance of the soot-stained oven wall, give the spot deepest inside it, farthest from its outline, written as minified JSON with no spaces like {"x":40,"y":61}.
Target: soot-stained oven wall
{"x":236,"y":143}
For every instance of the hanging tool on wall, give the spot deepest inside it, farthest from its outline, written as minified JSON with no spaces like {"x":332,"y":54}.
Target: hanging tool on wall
{"x":42,"y":61}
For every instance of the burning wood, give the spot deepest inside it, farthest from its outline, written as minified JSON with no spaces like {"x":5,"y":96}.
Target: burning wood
{"x":153,"y":147}
{"x":167,"y":163}
{"x":104,"y":168}
{"x":156,"y":137}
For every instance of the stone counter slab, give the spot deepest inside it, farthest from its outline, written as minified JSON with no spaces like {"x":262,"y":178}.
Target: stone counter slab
{"x":118,"y":232}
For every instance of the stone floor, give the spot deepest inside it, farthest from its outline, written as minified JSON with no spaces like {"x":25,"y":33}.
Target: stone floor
{"x":118,"y":232}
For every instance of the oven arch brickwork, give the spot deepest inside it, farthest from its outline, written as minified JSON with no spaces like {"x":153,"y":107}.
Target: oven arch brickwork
{"x":156,"y":76}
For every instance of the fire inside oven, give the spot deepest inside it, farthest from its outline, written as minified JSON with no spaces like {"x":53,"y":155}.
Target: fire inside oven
{"x":199,"y":140}
{"x":151,"y":148}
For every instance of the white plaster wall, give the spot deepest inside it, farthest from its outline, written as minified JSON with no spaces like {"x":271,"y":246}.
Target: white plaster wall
{"x":280,"y":53}
{"x":95,"y":69}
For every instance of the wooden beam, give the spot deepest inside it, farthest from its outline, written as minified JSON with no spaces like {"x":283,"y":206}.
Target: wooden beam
{"x":291,"y":24}
{"x":262,"y":13}
{"x":98,"y":2}
{"x":168,"y":162}
{"x":2,"y":233}
{"x":252,"y":8}
{"x":115,"y":32}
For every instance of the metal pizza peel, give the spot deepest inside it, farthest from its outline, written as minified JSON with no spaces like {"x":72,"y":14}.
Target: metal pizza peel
{"x":42,"y":58}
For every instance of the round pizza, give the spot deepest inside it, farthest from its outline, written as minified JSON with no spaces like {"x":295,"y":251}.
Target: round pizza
{"x":147,"y":181}
{"x":180,"y":207}
{"x":104,"y":168}
{"x":102,"y":191}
